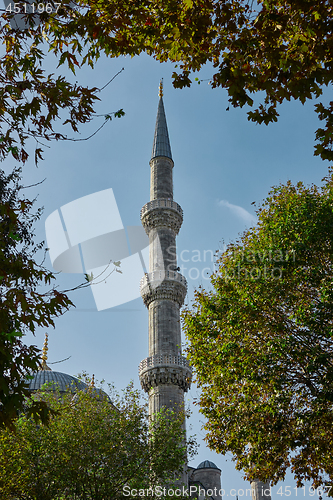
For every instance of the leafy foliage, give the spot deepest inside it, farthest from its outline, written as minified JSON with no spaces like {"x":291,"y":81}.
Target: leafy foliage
{"x":31,"y":101}
{"x":280,"y":47}
{"x":261,"y":341}
{"x":91,"y":449}
{"x":22,"y":305}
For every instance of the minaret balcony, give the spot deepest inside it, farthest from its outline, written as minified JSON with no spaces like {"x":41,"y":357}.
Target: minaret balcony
{"x":165,"y":369}
{"x":167,"y":285}
{"x":162,"y":212}
{"x":157,"y":277}
{"x":161,"y":202}
{"x":163,"y":359}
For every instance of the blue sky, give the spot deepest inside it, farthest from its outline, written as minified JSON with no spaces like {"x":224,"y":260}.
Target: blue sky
{"x":223,"y":163}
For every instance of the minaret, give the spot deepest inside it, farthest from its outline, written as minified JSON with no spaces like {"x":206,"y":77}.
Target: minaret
{"x":165,"y":375}
{"x":260,"y":490}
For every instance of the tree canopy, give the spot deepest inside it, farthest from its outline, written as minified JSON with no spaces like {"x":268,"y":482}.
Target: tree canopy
{"x":36,"y":105}
{"x":32,"y":103}
{"x":92,"y":448}
{"x":24,"y":304}
{"x":261,"y":341}
{"x":280,"y":48}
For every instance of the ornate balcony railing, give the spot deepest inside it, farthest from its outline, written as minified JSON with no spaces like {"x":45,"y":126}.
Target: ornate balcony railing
{"x":163,"y":359}
{"x":159,"y":276}
{"x":161,"y":202}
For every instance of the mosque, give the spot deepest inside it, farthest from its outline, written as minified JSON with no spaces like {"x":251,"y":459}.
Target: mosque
{"x":165,"y":374}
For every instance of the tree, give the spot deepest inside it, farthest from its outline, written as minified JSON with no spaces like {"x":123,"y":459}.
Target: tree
{"x":261,"y":340}
{"x":279,"y":47}
{"x":92,"y":448}
{"x":33,"y":102}
{"x":23,"y":305}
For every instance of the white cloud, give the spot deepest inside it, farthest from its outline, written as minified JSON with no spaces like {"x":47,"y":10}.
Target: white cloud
{"x":239,"y":212}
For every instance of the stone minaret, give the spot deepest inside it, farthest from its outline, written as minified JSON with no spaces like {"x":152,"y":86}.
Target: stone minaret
{"x":260,"y":490}
{"x":165,"y":375}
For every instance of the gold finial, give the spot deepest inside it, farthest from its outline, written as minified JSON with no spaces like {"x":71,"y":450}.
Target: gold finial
{"x":160,"y":88}
{"x":45,"y":348}
{"x":44,"y":354}
{"x":92,"y":383}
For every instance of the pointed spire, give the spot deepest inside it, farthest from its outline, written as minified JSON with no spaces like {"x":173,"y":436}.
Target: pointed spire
{"x":43,"y":365}
{"x":161,"y":146}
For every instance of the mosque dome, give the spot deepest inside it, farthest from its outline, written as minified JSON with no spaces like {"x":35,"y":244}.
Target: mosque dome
{"x":59,"y":381}
{"x":207,"y":464}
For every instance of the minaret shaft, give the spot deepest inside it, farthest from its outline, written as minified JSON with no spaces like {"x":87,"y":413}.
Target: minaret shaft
{"x":164,"y":319}
{"x":161,"y":181}
{"x":162,"y":250}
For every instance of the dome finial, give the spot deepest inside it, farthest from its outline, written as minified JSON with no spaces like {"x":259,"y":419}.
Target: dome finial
{"x":45,"y":348}
{"x":160,"y":88}
{"x":44,"y":353}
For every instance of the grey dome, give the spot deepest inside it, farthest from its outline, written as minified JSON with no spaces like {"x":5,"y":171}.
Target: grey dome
{"x":60,"y":381}
{"x":207,"y":464}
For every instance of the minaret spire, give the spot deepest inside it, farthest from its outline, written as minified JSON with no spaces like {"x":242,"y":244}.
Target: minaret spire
{"x":165,"y":374}
{"x":161,"y":145}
